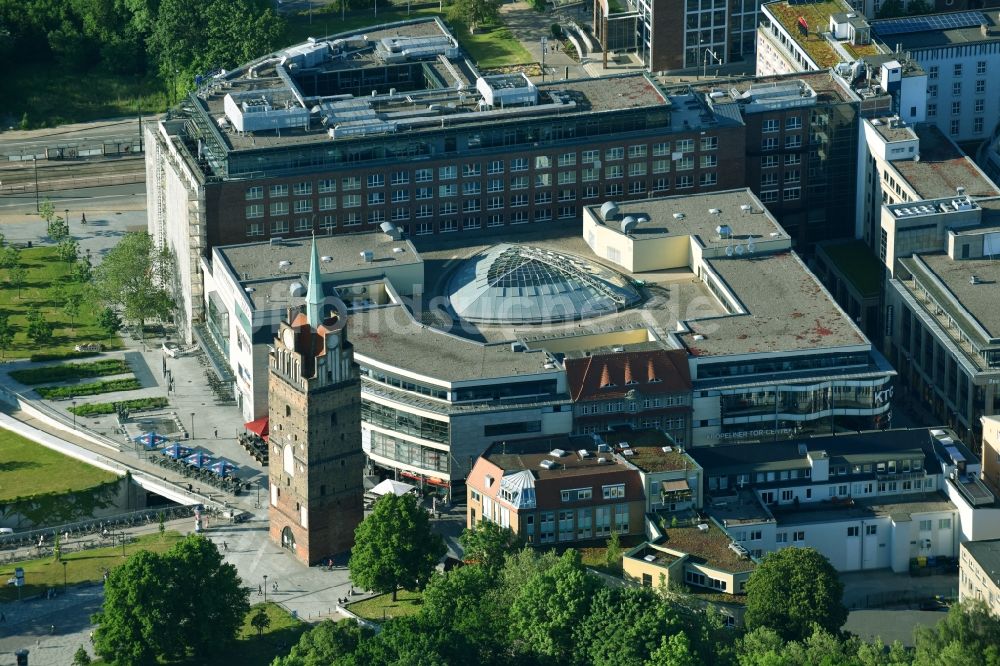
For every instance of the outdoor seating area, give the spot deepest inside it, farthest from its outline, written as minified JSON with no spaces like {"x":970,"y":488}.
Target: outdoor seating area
{"x":195,"y":463}
{"x":255,"y":445}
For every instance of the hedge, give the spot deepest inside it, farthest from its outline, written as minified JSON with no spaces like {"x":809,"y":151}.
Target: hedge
{"x":61,"y":356}
{"x":66,"y":371}
{"x":98,"y":408}
{"x":64,"y":392}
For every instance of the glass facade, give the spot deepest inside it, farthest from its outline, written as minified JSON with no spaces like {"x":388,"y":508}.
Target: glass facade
{"x":404,"y":422}
{"x":408,"y":453}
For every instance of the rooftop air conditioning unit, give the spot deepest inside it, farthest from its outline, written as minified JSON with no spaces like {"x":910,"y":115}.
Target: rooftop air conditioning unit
{"x":557,"y":453}
{"x":547,"y":464}
{"x":702,"y":527}
{"x":601,"y":461}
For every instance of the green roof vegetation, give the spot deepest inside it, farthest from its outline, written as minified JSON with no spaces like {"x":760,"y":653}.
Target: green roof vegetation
{"x":858,"y":265}
{"x":28,"y":469}
{"x":817,"y":15}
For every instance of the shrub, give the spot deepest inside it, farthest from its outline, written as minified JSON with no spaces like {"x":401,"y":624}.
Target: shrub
{"x":60,"y":373}
{"x":60,"y":356}
{"x":65,"y":392}
{"x":556,"y":30}
{"x":98,"y":408}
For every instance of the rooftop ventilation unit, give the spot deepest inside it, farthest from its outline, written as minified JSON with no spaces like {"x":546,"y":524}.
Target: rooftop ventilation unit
{"x":610,"y":211}
{"x":629,"y":224}
{"x":367,"y":256}
{"x":603,"y":448}
{"x":746,"y":208}
{"x":547,"y":464}
{"x":326,"y":258}
{"x":715,"y":211}
{"x":649,"y":558}
{"x":724,"y":231}
{"x":276,"y":240}
{"x":702,"y":527}
{"x":975,"y":279}
{"x":284,"y":264}
{"x":739,"y":549}
{"x":602,"y":461}
{"x":557,"y":453}
{"x":678,"y":216}
{"x":583,"y":453}
{"x":296,"y":289}
{"x":667,"y":449}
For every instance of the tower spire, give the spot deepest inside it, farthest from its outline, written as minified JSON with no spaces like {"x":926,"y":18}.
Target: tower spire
{"x":314,"y":295}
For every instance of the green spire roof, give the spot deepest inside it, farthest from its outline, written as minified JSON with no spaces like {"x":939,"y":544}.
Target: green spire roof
{"x":314,"y":297}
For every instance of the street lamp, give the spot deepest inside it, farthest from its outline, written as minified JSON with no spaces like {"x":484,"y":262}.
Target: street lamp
{"x":64,"y":563}
{"x":74,"y":414}
{"x":34,"y":161}
{"x":192,"y":425}
{"x":257,"y":504}
{"x":123,"y":536}
{"x":704,"y":60}
{"x":66,"y":218}
{"x":265,"y":588}
{"x":545,"y":44}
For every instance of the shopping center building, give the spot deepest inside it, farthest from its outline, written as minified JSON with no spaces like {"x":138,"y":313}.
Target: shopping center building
{"x":465,"y":344}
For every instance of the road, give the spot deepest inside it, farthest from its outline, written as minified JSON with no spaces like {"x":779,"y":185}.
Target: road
{"x":130,"y":196}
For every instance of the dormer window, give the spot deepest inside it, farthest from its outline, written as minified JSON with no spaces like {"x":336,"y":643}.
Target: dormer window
{"x":608,"y":385}
{"x":655,"y":380}
{"x":631,"y":382}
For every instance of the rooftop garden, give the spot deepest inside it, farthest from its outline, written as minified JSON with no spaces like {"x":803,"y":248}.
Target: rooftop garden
{"x":817,"y":16}
{"x":705,"y":546}
{"x":858,"y":265}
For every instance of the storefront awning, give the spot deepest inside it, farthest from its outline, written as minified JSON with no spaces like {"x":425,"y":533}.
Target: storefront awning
{"x":258,"y":427}
{"x":675,"y":486}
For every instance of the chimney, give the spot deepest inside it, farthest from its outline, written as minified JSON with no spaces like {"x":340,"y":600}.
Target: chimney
{"x":605,"y":376}
{"x":628,"y":372}
{"x":650,"y":372}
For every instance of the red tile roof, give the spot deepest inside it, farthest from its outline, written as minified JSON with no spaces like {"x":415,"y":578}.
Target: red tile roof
{"x":608,"y":376}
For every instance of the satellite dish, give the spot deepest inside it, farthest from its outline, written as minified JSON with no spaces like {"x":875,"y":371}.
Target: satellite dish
{"x":751,"y":247}
{"x":729,"y":251}
{"x":739,"y":250}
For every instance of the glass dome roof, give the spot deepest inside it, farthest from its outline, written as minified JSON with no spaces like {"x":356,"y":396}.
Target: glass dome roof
{"x":520,"y":284}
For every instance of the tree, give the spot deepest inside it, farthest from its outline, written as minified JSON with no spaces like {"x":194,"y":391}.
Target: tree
{"x":40,"y":329}
{"x":260,"y":621}
{"x":915,"y":7}
{"x":551,"y":604}
{"x":324,"y":644}
{"x":109,"y":321}
{"x":614,"y":552}
{"x":464,"y":604}
{"x":10,"y":257}
{"x":56,"y":227}
{"x":394,"y":546}
{"x":81,"y":270}
{"x":161,"y":606}
{"x":18,"y":277}
{"x":6,"y":333}
{"x":474,"y":13}
{"x":792,"y":589}
{"x":71,"y":306}
{"x":890,"y":9}
{"x":487,"y":544}
{"x":81,"y":657}
{"x":133,"y":277}
{"x":67,"y":250}
{"x":968,"y":635}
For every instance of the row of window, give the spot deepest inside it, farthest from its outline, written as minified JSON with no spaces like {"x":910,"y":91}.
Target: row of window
{"x":934,"y":70}
{"x":791,"y":141}
{"x":771,"y":161}
{"x":578,"y":524}
{"x":633,"y":405}
{"x":773,"y":124}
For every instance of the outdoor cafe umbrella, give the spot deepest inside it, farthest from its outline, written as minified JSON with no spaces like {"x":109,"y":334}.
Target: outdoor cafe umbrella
{"x":223,"y":468}
{"x":199,"y":460}
{"x":176,"y":451}
{"x":150,"y":439}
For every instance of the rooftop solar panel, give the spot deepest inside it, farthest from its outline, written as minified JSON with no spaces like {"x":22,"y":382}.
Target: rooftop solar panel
{"x":909,"y":24}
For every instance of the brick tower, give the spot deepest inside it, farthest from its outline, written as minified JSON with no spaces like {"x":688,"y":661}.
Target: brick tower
{"x":314,"y":402}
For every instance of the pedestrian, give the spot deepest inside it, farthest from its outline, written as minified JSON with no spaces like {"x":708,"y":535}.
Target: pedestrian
{"x":275,"y":586}
{"x":217,"y":433}
{"x":352,"y":590}
{"x":52,"y":629}
{"x":225,"y":546}
{"x":260,"y":590}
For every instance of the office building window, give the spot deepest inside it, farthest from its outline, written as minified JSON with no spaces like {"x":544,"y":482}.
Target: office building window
{"x":327,"y":223}
{"x":519,"y":164}
{"x":254,"y":193}
{"x":543,"y":162}
{"x":613,"y":171}
{"x":567,"y":177}
{"x":636,"y":152}
{"x":661,"y":149}
{"x":932,"y":72}
{"x":306,"y":205}
{"x":793,"y":141}
{"x":709,"y":142}
{"x":424,"y":193}
{"x":447,"y":226}
{"x":931,"y":110}
{"x":445,"y":191}
{"x":958,"y":69}
{"x":932,"y":90}
{"x":543,"y":179}
{"x":707,"y":179}
{"x":495,"y":203}
{"x":327,"y":203}
{"x":424,"y":211}
{"x":494,"y":185}
{"x":279,"y":227}
{"x":399,"y":196}
{"x":685,"y":164}
{"x":471,"y":170}
{"x":684,"y":145}
{"x":518,"y":200}
{"x":400,"y":178}
{"x":567,"y":159}
{"x":423,"y":175}
{"x":327,"y":185}
{"x":793,"y":123}
{"x":591,"y":192}
{"x":400,"y":214}
{"x":956,"y":108}
{"x":612,"y":154}
{"x":768,"y":161}
{"x":255,"y":229}
{"x":471,"y":188}
{"x":770,"y":125}
{"x":352,"y":219}
{"x":566,"y":212}
{"x":638,"y":169}
{"x":977,"y":125}
{"x":471,"y":206}
{"x":448,"y":208}
{"x":981,"y":67}
{"x":709,"y":161}
{"x":567,"y":195}
{"x":792,"y":176}
{"x":471,"y":223}
{"x":590,"y":174}
{"x":351,"y":200}
{"x":980,"y":105}
{"x":519,"y":183}
{"x":980,"y":86}
{"x":613,"y":189}
{"x":448,"y":172}
{"x":255,"y":211}
{"x":519,"y":217}
{"x":684,"y":182}
{"x":769,"y":196}
{"x":495,"y":167}
{"x":424,"y":228}
{"x":279,"y":208}
{"x":770,"y":143}
{"x":793,"y":159}
{"x":637,"y":187}
{"x":302,"y":189}
{"x":767,"y":179}
{"x":590,"y":156}
{"x":661,"y":184}
{"x":543,"y":197}
{"x":494,"y":221}
{"x":955,"y":127}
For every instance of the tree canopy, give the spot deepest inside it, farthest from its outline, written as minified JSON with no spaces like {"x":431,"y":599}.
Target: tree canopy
{"x":487,"y":544}
{"x":474,"y":13}
{"x":791,"y":590}
{"x":133,"y":278}
{"x":184,"y":602}
{"x":394,"y":546}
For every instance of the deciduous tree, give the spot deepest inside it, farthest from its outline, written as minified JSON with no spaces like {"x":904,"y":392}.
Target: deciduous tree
{"x":18,"y":277}
{"x":487,"y":544}
{"x":324,"y":645}
{"x":40,"y":329}
{"x":260,"y":621}
{"x":394,"y":546}
{"x":791,"y":590}
{"x":6,"y":333}
{"x":474,"y":13}
{"x":133,"y":278}
{"x":968,"y":635}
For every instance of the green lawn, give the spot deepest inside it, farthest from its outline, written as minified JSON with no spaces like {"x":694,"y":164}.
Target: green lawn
{"x":94,"y":388}
{"x":28,"y":469}
{"x":489,"y":47}
{"x":382,"y":606}
{"x":44,"y":271}
{"x":277,"y":640}
{"x":53,"y":95}
{"x":81,"y":567}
